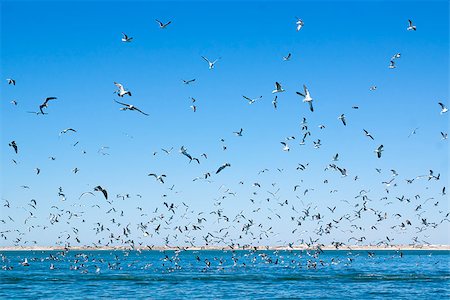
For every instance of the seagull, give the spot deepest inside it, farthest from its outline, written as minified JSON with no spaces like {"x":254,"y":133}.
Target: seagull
{"x":167,"y":151}
{"x":275,"y":102}
{"x":413,"y":132}
{"x":392,"y":65}
{"x":336,"y":157}
{"x":379,"y":150}
{"x":285,"y":146}
{"x":287,"y":57}
{"x":368,"y":134}
{"x":342,"y":118}
{"x":222,"y":167}
{"x":396,"y":55}
{"x":100,"y":189}
{"x":45,"y":104}
{"x":299,"y":24}
{"x":121,"y":91}
{"x":444,"y":135}
{"x":373,"y":88}
{"x":238,"y":133}
{"x":130,"y":107}
{"x":14,"y":145}
{"x":125,"y":38}
{"x":188,"y":81}
{"x":162,"y":25}
{"x":159,"y":178}
{"x":443,"y":108}
{"x":307,"y":97}
{"x":14,"y":102}
{"x":211,"y":64}
{"x":11,"y":81}
{"x":193,"y":107}
{"x":278,"y":88}
{"x":66,"y":130}
{"x":411,"y":26}
{"x":251,"y":101}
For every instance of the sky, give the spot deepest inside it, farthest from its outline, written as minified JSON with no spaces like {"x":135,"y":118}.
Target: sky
{"x":73,"y":51}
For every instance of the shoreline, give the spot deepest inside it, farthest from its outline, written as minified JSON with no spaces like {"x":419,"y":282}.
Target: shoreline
{"x":222,"y":248}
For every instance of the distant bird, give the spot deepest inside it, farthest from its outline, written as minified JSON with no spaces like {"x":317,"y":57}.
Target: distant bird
{"x":193,"y":107}
{"x":392,"y":65}
{"x":379,"y":150}
{"x":66,"y":130}
{"x":37,"y":171}
{"x":121,"y":91}
{"x":444,"y":109}
{"x":45,"y":104}
{"x":342,"y":118}
{"x":14,"y":145}
{"x":444,"y":135}
{"x":299,"y":24}
{"x":130,"y":107}
{"x":278,"y":88}
{"x":307,"y":97}
{"x":373,"y":88}
{"x":336,"y":157}
{"x":287,"y":57}
{"x":285,"y":146}
{"x":222,"y":167}
{"x":238,"y":133}
{"x":13,"y":102}
{"x":366,"y":133}
{"x":211,"y":64}
{"x":11,"y":81}
{"x":413,"y":132}
{"x":188,"y":81}
{"x":159,"y":178}
{"x":163,"y":25}
{"x":251,"y":101}
{"x":396,"y":56}
{"x":100,"y":189}
{"x":125,"y":38}
{"x":411,"y":26}
{"x":275,"y":102}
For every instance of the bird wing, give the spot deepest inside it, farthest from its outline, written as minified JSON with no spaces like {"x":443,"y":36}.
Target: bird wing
{"x":124,"y":104}
{"x":140,"y":111}
{"x":206,"y":59}
{"x":278,"y":86}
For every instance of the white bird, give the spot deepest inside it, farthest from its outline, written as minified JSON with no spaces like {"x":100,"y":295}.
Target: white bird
{"x":342,"y":118}
{"x":251,"y":101}
{"x":211,"y":64}
{"x":307,"y":97}
{"x":411,"y":26}
{"x":373,"y":88}
{"x":392,"y":65}
{"x":443,"y":108}
{"x":278,"y":88}
{"x":379,"y":150}
{"x":11,"y":81}
{"x":125,"y":38}
{"x":444,"y":135}
{"x":159,"y":178}
{"x":395,"y":56}
{"x":275,"y":102}
{"x":162,"y":25}
{"x":130,"y":107}
{"x":66,"y":130}
{"x":366,"y":133}
{"x":285,"y":146}
{"x":121,"y":91}
{"x":299,"y":24}
{"x":287,"y":57}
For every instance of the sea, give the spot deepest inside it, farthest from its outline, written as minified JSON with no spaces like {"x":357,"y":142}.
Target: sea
{"x":240,"y":274}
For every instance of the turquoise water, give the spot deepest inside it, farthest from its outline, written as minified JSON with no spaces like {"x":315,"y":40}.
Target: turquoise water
{"x":225,"y":274}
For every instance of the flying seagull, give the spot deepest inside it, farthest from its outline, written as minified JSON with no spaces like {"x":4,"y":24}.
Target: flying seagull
{"x":100,"y":189}
{"x":278,"y":88}
{"x":222,"y":167}
{"x":443,"y":108}
{"x":299,"y":24}
{"x":307,"y":97}
{"x":162,"y":25}
{"x":392,"y":65}
{"x":251,"y":101}
{"x":125,"y":38}
{"x":368,"y":134}
{"x":45,"y":104}
{"x":287,"y":57}
{"x":379,"y":150}
{"x":121,"y":91}
{"x":211,"y":64}
{"x":130,"y":107}
{"x":159,"y":178}
{"x":238,"y":133}
{"x":66,"y":130}
{"x":14,"y":145}
{"x":11,"y":81}
{"x":444,"y":135}
{"x":188,"y":81}
{"x":285,"y":146}
{"x":275,"y":102}
{"x":411,"y":26}
{"x":342,"y":118}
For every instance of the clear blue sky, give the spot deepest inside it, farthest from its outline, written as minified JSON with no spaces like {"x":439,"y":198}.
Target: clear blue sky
{"x":73,"y":51}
